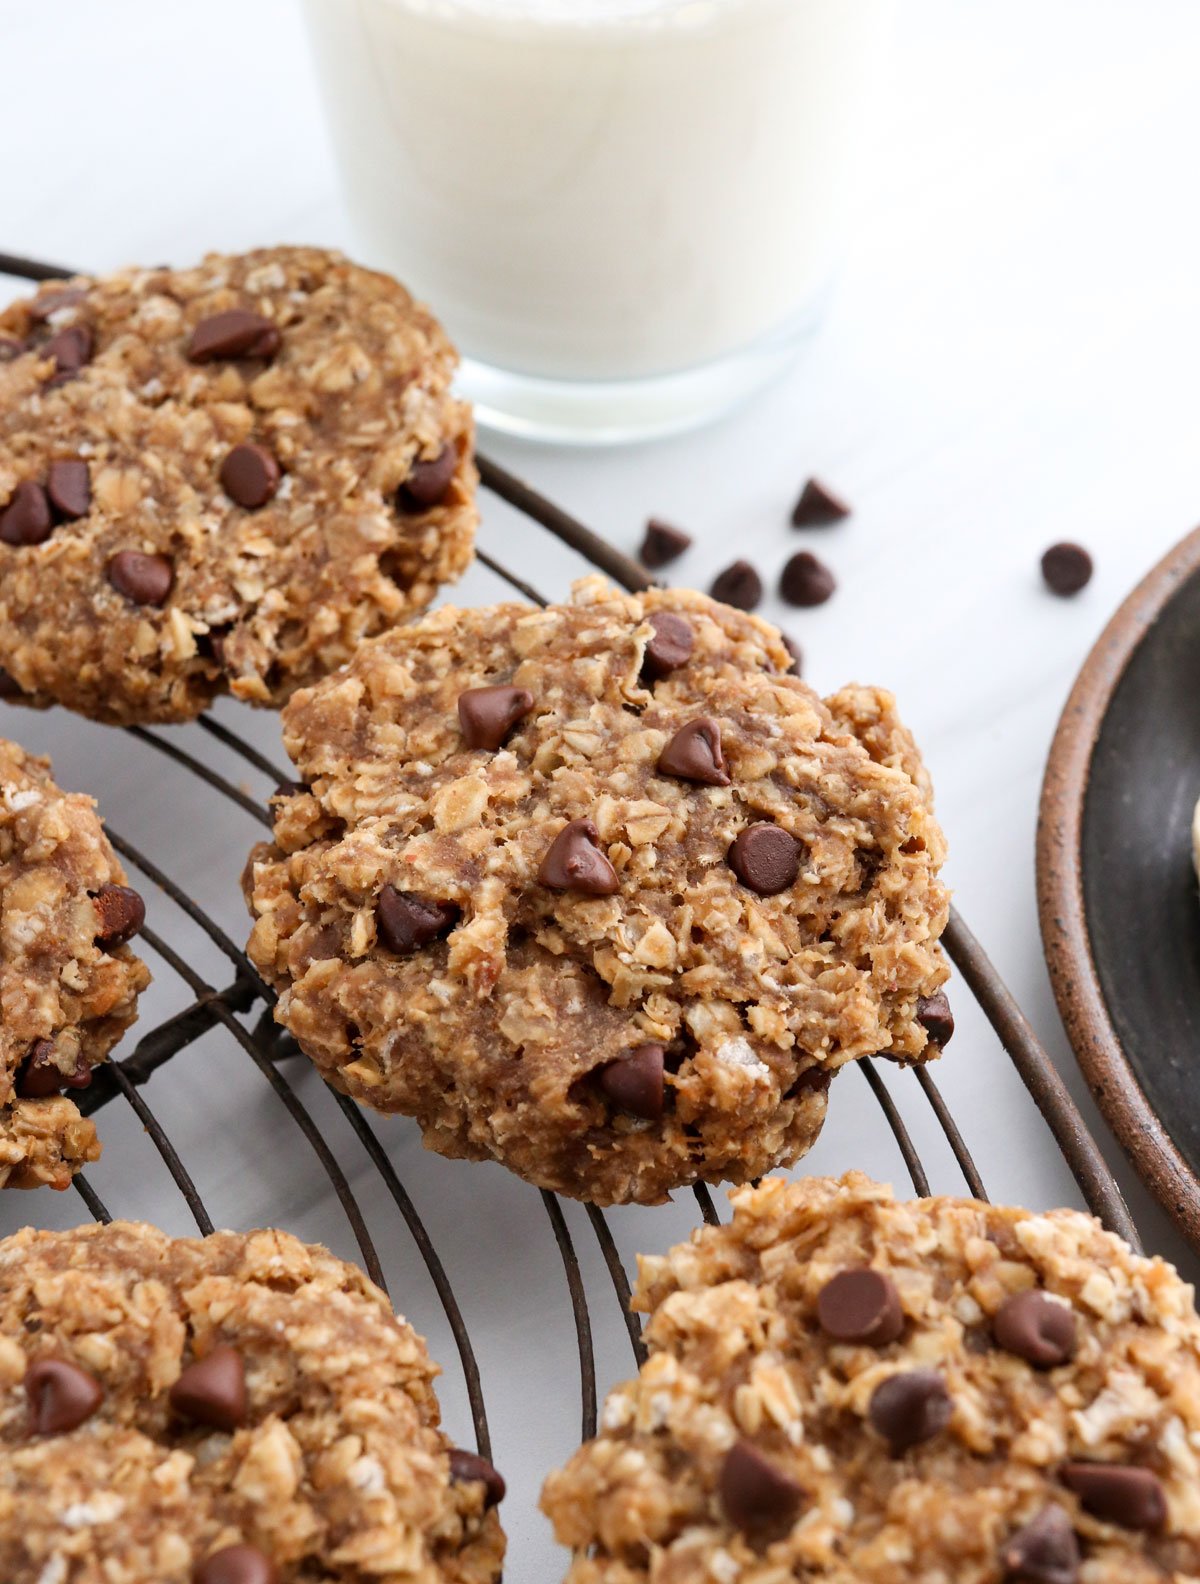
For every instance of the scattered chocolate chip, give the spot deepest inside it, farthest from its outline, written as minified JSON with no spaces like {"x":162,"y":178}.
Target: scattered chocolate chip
{"x":935,"y":1017}
{"x":405,"y":922}
{"x":1118,"y":1493}
{"x":765,"y":858}
{"x":469,"y":1466}
{"x":236,"y":1564}
{"x":818,"y":507}
{"x":26,"y":520}
{"x":1036,"y":1328}
{"x":909,"y":1408}
{"x":250,"y":476}
{"x":797,"y":654}
{"x":805,"y":580}
{"x":10,"y":348}
{"x":634,"y":1082}
{"x":488,"y":714}
{"x":739,"y":585}
{"x":69,"y":488}
{"x":694,"y":754}
{"x":861,"y":1306}
{"x":121,"y":914}
{"x":758,"y":1498}
{"x":574,"y":862}
{"x":212,"y":1391}
{"x":60,"y":1395}
{"x":662,"y":543}
{"x":428,"y":481}
{"x":236,"y":333}
{"x":53,"y":300}
{"x":1045,"y":1551}
{"x":1066,"y":568}
{"x":40,"y":1076}
{"x":71,"y":349}
{"x":670,"y":646}
{"x":144,"y":579}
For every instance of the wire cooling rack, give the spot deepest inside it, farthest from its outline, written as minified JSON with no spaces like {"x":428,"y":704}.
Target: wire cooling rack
{"x":242,"y":1008}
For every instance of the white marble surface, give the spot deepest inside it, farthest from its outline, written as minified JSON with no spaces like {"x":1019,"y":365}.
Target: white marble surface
{"x":1011,"y":359}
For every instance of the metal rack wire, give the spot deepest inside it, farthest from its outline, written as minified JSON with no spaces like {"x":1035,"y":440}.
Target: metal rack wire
{"x":242,"y":1007}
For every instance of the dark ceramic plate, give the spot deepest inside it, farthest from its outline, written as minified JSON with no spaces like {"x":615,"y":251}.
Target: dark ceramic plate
{"x":1117,"y":896}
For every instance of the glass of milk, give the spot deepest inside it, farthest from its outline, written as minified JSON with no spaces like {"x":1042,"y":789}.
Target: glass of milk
{"x":626,"y":212}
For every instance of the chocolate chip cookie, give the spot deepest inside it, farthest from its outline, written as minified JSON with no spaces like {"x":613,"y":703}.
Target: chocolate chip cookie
{"x":599,"y":890}
{"x":69,"y":982}
{"x":241,"y":1409}
{"x":220,"y":479}
{"x":847,"y":1388}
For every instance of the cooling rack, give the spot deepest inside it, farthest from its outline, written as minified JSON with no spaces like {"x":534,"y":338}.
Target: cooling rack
{"x":241,"y":1007}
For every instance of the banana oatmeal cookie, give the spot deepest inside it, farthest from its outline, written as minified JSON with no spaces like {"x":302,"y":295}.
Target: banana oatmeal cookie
{"x":220,"y":479}
{"x":847,"y":1388}
{"x":68,"y":981}
{"x":598,"y":890}
{"x":241,"y":1409}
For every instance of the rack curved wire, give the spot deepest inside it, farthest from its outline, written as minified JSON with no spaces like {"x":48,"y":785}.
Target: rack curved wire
{"x":243,"y":1008}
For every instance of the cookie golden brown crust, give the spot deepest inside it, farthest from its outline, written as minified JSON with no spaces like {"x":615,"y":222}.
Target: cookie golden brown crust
{"x":295,"y":488}
{"x":555,"y":948}
{"x":315,"y":1441}
{"x":1054,"y":1375}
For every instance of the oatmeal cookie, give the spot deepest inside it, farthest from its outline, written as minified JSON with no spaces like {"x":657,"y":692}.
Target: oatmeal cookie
{"x":847,"y":1388}
{"x":598,"y":890}
{"x":220,"y":479}
{"x":68,"y":981}
{"x":241,"y":1409}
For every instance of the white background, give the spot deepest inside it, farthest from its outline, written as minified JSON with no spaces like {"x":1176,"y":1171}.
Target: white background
{"x":1013,"y":358}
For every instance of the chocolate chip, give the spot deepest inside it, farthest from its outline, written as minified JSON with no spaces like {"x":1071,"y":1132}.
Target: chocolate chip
{"x":488,"y":714}
{"x":60,"y":1395}
{"x":144,"y":579}
{"x":405,"y":922}
{"x":805,"y":580}
{"x":634,"y":1082}
{"x":758,"y":1498}
{"x":250,"y":476}
{"x":466,"y":1467}
{"x":739,"y":585}
{"x":818,"y":507}
{"x":26,"y":520}
{"x":574,"y":862}
{"x":212,"y":1391}
{"x":935,"y":1017}
{"x":910,"y":1408}
{"x":71,"y":349}
{"x":1046,"y":1551}
{"x":1036,"y":1328}
{"x":236,"y":1564}
{"x":287,"y":789}
{"x":53,"y":300}
{"x":861,"y":1306}
{"x":797,"y":654}
{"x":1066,"y":568}
{"x":428,"y":481}
{"x":10,"y":688}
{"x":1118,"y":1493}
{"x":10,"y":348}
{"x":670,"y":646}
{"x":121,"y":914}
{"x":694,"y":754}
{"x":40,"y":1076}
{"x":662,"y":543}
{"x":69,"y":488}
{"x":765,"y":858}
{"x":236,"y":333}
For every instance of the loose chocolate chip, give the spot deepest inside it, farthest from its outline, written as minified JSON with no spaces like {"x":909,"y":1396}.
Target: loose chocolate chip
{"x":250,"y":476}
{"x":861,"y":1306}
{"x":236,"y":1564}
{"x":935,"y":1017}
{"x":236,"y":333}
{"x":662,"y":543}
{"x":1066,"y":568}
{"x":212,"y":1391}
{"x":144,"y":579}
{"x":765,"y":858}
{"x":69,"y":489}
{"x":1046,"y":1551}
{"x":405,"y":922}
{"x":805,"y":580}
{"x":428,"y":481}
{"x":1036,"y":1328}
{"x":10,"y":348}
{"x":122,"y":913}
{"x":758,"y":1498}
{"x":466,"y":1467}
{"x":910,"y":1408}
{"x":574,"y":862}
{"x":634,"y":1083}
{"x":797,"y":654}
{"x":1118,"y":1493}
{"x":71,"y":349}
{"x":818,"y":507}
{"x":60,"y":1395}
{"x":694,"y":754}
{"x":39,"y":1075}
{"x":670,"y":646}
{"x":488,"y":714}
{"x":739,"y":585}
{"x":26,"y":520}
